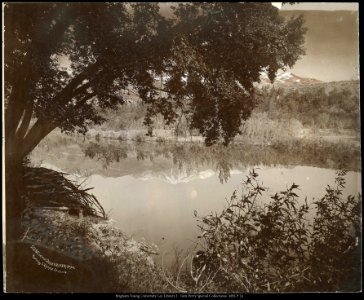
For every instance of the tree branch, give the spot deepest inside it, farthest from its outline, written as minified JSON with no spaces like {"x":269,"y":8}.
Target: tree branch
{"x":81,"y":89}
{"x":83,"y":101}
{"x":67,"y":92}
{"x":30,"y":73}
{"x":24,"y":126}
{"x":15,"y":109}
{"x":39,"y":130}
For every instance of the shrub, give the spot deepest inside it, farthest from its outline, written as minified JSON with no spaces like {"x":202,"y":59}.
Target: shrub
{"x":334,"y":249}
{"x":318,"y":106}
{"x":251,"y":247}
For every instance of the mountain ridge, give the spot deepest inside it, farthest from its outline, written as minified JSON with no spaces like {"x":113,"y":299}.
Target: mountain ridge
{"x":286,"y":78}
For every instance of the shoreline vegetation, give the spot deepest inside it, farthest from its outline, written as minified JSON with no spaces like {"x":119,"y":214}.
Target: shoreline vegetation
{"x":326,"y":111}
{"x":77,"y":228}
{"x":335,"y":153}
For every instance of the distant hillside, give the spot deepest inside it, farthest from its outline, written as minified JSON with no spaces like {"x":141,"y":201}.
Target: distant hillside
{"x":284,"y":79}
{"x":350,"y":85}
{"x":325,"y":105}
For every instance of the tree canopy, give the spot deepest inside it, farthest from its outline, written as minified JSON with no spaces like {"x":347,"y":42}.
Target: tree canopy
{"x":63,"y":61}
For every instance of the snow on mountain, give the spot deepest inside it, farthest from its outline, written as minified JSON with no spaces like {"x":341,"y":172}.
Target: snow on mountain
{"x":284,"y":79}
{"x":176,"y":177}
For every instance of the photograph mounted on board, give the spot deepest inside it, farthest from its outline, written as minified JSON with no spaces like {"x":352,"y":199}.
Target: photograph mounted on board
{"x":181,"y":147}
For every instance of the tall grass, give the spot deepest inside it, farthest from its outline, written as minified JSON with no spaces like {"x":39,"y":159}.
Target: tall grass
{"x":260,"y":129}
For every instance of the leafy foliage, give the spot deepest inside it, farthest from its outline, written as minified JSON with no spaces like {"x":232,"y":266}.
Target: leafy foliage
{"x":215,"y":89}
{"x":317,"y":106}
{"x":335,"y":249}
{"x":274,"y":247}
{"x":63,"y":61}
{"x":262,"y":130}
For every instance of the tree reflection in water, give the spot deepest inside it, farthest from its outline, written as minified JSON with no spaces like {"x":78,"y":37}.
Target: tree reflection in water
{"x":107,"y":153}
{"x":190,"y":157}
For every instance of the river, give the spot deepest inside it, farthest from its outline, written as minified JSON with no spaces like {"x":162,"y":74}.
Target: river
{"x":153,"y":190}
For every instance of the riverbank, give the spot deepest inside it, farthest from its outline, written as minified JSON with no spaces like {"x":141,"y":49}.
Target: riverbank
{"x":163,"y":135}
{"x":64,"y":250}
{"x":113,"y":157}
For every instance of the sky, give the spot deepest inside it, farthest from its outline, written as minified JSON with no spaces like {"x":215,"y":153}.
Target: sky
{"x":331,"y":42}
{"x":318,"y":6}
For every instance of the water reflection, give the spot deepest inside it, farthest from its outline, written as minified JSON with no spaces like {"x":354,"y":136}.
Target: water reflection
{"x":108,"y":153}
{"x":162,"y":211}
{"x":151,"y":190}
{"x":191,"y":158}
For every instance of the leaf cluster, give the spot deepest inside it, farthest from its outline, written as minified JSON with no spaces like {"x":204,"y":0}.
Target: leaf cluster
{"x":259,"y":245}
{"x":65,"y":60}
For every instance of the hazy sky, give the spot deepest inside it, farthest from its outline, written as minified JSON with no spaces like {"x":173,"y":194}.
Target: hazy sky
{"x":331,"y":42}
{"x":320,"y":6}
{"x":332,"y":48}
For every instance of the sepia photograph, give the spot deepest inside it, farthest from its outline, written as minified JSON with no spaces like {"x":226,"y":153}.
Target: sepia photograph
{"x":181,"y":148}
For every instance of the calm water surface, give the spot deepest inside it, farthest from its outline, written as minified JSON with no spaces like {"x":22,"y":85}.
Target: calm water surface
{"x":152,"y":190}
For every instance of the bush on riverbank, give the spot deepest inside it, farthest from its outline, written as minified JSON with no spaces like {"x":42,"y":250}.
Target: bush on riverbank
{"x":252,"y":246}
{"x":332,"y":105}
{"x":262,"y":130}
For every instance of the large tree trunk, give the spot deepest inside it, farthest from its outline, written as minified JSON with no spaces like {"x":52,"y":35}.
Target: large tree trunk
{"x":17,"y":146}
{"x":19,"y":142}
{"x":14,"y":204}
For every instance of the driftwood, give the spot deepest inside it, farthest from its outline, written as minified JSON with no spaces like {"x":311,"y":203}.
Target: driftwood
{"x":49,"y":188}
